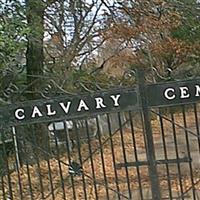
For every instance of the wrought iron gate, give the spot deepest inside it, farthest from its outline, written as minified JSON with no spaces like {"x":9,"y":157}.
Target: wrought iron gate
{"x":138,"y":143}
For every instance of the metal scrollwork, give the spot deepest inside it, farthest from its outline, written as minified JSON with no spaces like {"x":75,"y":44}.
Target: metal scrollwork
{"x":20,"y":68}
{"x":166,"y":77}
{"x":176,"y":74}
{"x":51,"y":88}
{"x":10,"y":91}
{"x":47,"y":90}
{"x":81,"y":85}
{"x":7,"y":84}
{"x":130,"y":74}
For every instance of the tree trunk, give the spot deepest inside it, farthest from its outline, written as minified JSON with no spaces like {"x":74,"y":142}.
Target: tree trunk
{"x":34,"y":65}
{"x":34,"y":54}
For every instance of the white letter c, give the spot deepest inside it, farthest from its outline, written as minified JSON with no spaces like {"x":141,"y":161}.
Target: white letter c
{"x":18,"y":115}
{"x":166,"y":93}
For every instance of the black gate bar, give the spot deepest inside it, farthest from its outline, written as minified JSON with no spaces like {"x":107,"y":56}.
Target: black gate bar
{"x":150,"y":150}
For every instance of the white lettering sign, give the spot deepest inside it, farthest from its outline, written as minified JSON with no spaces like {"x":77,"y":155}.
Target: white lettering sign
{"x":19,"y":114}
{"x":69,"y":106}
{"x":169,"y":93}
{"x":50,"y":112}
{"x":115,"y":99}
{"x":99,"y":103}
{"x":184,"y":92}
{"x":65,"y":108}
{"x":35,"y":112}
{"x":197,"y":90}
{"x":82,"y":105}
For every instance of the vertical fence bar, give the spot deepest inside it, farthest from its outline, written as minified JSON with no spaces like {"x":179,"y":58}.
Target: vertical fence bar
{"x":16,"y":150}
{"x":102,"y":158}
{"x":59,"y":163}
{"x":69,"y":148}
{"x":124,"y":155}
{"x":17,"y":160}
{"x":29,"y":181}
{"x":177,"y":154}
{"x":28,"y":171}
{"x":165,"y":154}
{"x":77,"y":138}
{"x":136,"y":155}
{"x":50,"y":178}
{"x":91,"y":159}
{"x":113,"y":156}
{"x":37,"y":159}
{"x":5,"y":156}
{"x":188,"y":151}
{"x":155,"y":187}
{"x":197,"y":125}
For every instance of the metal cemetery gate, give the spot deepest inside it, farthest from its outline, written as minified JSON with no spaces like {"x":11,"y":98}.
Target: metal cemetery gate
{"x":139,"y":143}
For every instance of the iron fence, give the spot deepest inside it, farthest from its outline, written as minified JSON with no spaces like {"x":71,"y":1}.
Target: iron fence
{"x":138,"y":151}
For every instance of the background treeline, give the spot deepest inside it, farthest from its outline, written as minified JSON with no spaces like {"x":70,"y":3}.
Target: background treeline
{"x":74,"y":46}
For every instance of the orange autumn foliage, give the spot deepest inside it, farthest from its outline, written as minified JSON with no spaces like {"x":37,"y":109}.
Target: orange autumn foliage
{"x":145,"y":28}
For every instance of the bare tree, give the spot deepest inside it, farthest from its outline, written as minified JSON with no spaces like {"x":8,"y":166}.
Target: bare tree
{"x":72,"y":34}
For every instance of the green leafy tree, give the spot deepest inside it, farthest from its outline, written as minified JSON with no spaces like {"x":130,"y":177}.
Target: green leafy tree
{"x":189,"y":29}
{"x":13,"y":30}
